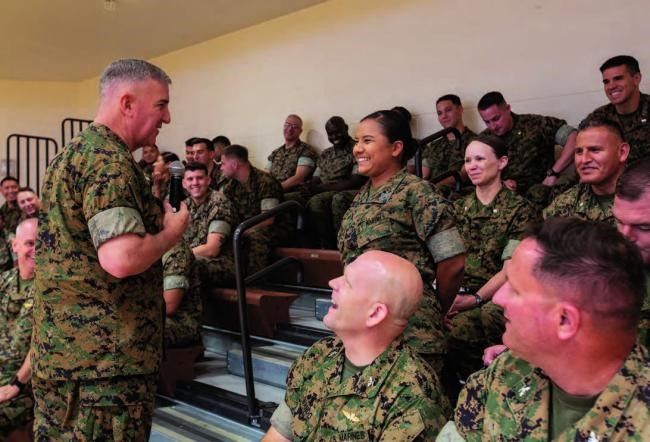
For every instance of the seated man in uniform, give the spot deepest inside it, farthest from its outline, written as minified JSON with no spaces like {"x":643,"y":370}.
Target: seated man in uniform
{"x":189,"y":150}
{"x":531,"y":141}
{"x":220,"y":142}
{"x":600,"y":156}
{"x":632,"y":214}
{"x":336,"y":171}
{"x":365,"y":383}
{"x":292,"y":163}
{"x":254,"y":192}
{"x":212,"y":219}
{"x":627,"y":105}
{"x":441,"y":155}
{"x":205,"y":153}
{"x":16,"y":322}
{"x":29,"y":202}
{"x":9,"y":218}
{"x":574,"y":370}
{"x":183,"y":307}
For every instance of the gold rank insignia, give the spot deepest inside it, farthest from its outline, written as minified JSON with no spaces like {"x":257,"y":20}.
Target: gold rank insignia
{"x":350,"y":416}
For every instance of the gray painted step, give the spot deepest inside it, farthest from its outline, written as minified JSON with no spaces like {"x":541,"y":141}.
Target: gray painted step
{"x":270,"y":364}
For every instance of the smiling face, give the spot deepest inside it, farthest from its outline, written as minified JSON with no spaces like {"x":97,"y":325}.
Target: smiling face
{"x":482,"y":165}
{"x":9,"y":190}
{"x":449,"y":114}
{"x":196,"y":183}
{"x":376,"y":156}
{"x":620,"y":85}
{"x":24,"y":245}
{"x":149,"y":154}
{"x":28,"y":202}
{"x":292,"y":129}
{"x":599,"y":156}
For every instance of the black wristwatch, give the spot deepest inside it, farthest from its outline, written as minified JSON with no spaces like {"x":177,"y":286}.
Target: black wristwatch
{"x":21,"y":386}
{"x":479,"y":300}
{"x":551,"y":172}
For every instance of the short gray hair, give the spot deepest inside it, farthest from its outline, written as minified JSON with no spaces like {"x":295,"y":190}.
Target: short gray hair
{"x":131,"y":70}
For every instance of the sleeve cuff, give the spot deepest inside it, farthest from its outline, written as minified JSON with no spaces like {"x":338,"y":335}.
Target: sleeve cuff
{"x":445,"y":244}
{"x":316,"y":172}
{"x":306,"y":161}
{"x":175,"y":282}
{"x":281,"y":420}
{"x":115,"y":222}
{"x":563,"y":133}
{"x":268,"y":166}
{"x":509,"y":249}
{"x":219,"y":226}
{"x":269,"y":203}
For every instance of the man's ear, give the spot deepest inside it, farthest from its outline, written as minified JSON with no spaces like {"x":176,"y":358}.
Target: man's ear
{"x":126,"y":103}
{"x":378,"y":312}
{"x":567,"y":321}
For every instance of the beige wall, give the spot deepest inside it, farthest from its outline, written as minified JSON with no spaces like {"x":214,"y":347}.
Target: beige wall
{"x":350,"y":57}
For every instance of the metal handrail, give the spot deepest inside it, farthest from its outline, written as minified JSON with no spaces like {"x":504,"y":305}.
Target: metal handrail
{"x":253,"y":408}
{"x":71,"y":123}
{"x":29,"y":141}
{"x":458,"y":184}
{"x":433,"y":137}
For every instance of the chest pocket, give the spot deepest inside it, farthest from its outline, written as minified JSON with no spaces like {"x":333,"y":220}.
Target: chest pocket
{"x":372,"y":226}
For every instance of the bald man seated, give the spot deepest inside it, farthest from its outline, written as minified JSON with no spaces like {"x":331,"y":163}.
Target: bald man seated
{"x":364,"y":383}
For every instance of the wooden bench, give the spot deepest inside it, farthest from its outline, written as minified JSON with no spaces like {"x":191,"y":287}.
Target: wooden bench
{"x":266,"y":309}
{"x":320,"y":266}
{"x":178,"y":365}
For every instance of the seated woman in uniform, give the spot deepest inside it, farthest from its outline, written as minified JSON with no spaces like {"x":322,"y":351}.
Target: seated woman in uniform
{"x":488,"y":220}
{"x":160,"y":174}
{"x":399,"y":213}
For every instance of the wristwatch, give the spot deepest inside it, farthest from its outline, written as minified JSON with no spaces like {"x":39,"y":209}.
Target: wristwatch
{"x":21,"y":386}
{"x":551,"y":172}
{"x":479,"y":300}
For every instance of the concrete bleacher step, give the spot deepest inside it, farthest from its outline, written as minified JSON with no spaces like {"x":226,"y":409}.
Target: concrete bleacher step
{"x":270,"y":364}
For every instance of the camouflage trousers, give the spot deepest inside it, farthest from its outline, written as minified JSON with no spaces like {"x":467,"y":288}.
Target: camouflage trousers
{"x":181,"y":333}
{"x":108,"y":409}
{"x":16,"y":412}
{"x":319,"y":220}
{"x":341,"y":202}
{"x":219,"y":271}
{"x":471,"y":332}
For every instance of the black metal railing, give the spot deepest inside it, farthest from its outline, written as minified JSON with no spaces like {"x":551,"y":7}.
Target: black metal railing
{"x":254,"y":416}
{"x":433,"y":137}
{"x":70,"y":127}
{"x":35,"y":151}
{"x":458,"y":184}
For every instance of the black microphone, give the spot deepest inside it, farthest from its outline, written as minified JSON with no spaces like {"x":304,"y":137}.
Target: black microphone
{"x":176,"y":192}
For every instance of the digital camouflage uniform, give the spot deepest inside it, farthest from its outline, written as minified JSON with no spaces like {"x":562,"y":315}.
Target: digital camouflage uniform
{"x":531,"y":152}
{"x":97,"y":339}
{"x":636,"y":126}
{"x":644,"y":323}
{"x":260,"y":193}
{"x":183,"y":327}
{"x":334,"y":164}
{"x":396,"y":398}
{"x":486,"y":230}
{"x":581,"y":202}
{"x":282,"y":162}
{"x":214,"y":215}
{"x":16,"y":321}
{"x":11,"y":217}
{"x":442,"y":155}
{"x":405,"y":216}
{"x":215,"y":176}
{"x":510,"y":401}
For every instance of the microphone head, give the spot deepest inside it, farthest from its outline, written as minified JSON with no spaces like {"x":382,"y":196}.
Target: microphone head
{"x":176,"y":169}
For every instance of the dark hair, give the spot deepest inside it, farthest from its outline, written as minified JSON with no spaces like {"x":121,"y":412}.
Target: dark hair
{"x":168,"y":157}
{"x":498,"y":146}
{"x":237,"y":151}
{"x":194,"y":166}
{"x":8,"y":178}
{"x":455,"y":99}
{"x":190,"y":141}
{"x":26,"y":189}
{"x":403,"y":112}
{"x":594,"y":266}
{"x":336,"y":121}
{"x":198,"y":140}
{"x":490,"y":99}
{"x":634,"y":181}
{"x":610,"y":125}
{"x":620,"y":60}
{"x":221,"y":139}
{"x":395,"y":128}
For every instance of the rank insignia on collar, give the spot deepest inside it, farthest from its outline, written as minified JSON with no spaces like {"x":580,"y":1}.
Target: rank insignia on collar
{"x":523,"y":390}
{"x":593,"y":437}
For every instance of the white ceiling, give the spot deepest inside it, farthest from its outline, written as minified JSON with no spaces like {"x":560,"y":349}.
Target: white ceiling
{"x":72,"y":40}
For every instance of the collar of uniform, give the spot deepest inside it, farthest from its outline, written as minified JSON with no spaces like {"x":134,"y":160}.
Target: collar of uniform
{"x":299,"y":145}
{"x":474,"y":204}
{"x":347,"y":147}
{"x":192,"y":205}
{"x":382,"y":194}
{"x":106,"y":132}
{"x":587,"y":198}
{"x":644,"y":107}
{"x":370,"y":379}
{"x":613,"y":401}
{"x":14,"y":281}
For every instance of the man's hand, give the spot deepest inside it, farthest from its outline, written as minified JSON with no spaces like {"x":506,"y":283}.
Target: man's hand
{"x":550,"y":181}
{"x":8,"y":392}
{"x":510,"y":184}
{"x":175,"y":224}
{"x":490,"y":353}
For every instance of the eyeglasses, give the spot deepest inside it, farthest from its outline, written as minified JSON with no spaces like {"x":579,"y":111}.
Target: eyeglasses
{"x":291,"y":126}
